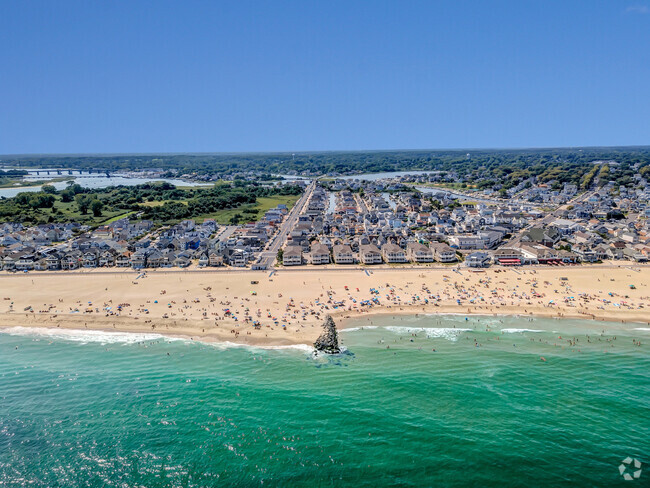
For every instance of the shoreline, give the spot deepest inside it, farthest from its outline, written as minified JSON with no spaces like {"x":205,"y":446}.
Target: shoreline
{"x":345,"y":323}
{"x":287,"y":307}
{"x":514,"y":312}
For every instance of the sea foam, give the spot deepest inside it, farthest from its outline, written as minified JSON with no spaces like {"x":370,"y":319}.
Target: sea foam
{"x":83,"y":336}
{"x":105,"y":337}
{"x":449,"y":333}
{"x":519,"y":331}
{"x":229,"y":345}
{"x":354,"y":329}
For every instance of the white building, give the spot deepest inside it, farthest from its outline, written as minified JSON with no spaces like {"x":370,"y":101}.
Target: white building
{"x":292,"y":256}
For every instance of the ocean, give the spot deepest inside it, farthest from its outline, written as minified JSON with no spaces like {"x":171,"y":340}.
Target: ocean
{"x":414,"y":401}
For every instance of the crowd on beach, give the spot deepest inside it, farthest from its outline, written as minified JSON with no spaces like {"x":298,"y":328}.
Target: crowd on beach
{"x":291,"y":306}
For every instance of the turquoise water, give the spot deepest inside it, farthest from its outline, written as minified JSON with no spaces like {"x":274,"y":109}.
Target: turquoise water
{"x":482,"y":410}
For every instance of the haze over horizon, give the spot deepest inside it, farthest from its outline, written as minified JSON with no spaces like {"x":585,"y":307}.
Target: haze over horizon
{"x":319,"y":151}
{"x":216,"y":77}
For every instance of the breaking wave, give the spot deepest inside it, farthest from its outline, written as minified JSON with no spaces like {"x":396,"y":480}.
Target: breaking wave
{"x":83,"y":336}
{"x":106,"y":337}
{"x":354,"y":329}
{"x":449,"y":333}
{"x":519,"y":331}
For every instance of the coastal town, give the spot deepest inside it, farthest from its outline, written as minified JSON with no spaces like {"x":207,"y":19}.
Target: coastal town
{"x":316,"y":243}
{"x":410,"y":219}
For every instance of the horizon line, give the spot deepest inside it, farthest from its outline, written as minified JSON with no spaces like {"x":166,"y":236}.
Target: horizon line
{"x":316,"y":151}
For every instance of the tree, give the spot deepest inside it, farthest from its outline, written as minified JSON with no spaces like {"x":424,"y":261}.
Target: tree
{"x":48,"y":189}
{"x":96,"y":206}
{"x":615,"y":215}
{"x":83,"y":202}
{"x":67,"y":195}
{"x":35,"y":200}
{"x":280,"y":255}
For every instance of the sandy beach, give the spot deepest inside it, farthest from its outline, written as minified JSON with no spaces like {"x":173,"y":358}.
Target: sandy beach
{"x":288,"y":306}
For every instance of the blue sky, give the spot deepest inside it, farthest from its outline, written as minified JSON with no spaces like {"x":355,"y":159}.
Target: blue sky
{"x":192,"y":76}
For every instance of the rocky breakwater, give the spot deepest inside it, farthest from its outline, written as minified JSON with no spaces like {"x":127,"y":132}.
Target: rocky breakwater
{"x":328,"y":341}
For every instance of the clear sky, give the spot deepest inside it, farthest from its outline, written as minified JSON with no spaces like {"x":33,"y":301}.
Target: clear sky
{"x":237,"y":75}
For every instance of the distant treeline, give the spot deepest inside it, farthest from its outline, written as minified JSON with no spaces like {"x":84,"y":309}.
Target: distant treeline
{"x":481,"y":168}
{"x":11,"y":173}
{"x":11,"y":176}
{"x":339,"y":162}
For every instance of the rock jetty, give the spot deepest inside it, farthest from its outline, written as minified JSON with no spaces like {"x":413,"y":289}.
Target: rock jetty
{"x":328,"y":341}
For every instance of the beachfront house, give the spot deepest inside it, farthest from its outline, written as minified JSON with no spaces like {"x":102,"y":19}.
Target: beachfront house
{"x":139,"y":259}
{"x":25,"y":262}
{"x":369,"y":254}
{"x":507,"y":256}
{"x":40,"y":264}
{"x":204,"y":260}
{"x":585,"y":253}
{"x":183,"y":260}
{"x":343,"y":254}
{"x":478,"y":259}
{"x":320,"y":254}
{"x":419,"y":253}
{"x":107,"y":258}
{"x":8,"y":263}
{"x":539,"y":254}
{"x":443,"y":253}
{"x":53,"y":261}
{"x":393,"y":253}
{"x":72,"y":260}
{"x":292,"y":256}
{"x":236,"y":257}
{"x":123,"y":260}
{"x":215,"y":259}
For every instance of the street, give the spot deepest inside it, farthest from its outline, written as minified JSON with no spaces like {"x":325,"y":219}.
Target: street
{"x":267,"y":258}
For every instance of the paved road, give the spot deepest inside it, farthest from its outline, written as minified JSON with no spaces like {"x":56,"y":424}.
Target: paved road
{"x":268,"y":257}
{"x":225,"y":232}
{"x":363,"y":208}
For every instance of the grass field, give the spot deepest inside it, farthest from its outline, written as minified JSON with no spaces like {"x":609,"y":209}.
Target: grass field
{"x":117,"y":217}
{"x":72,"y":214}
{"x":69,"y":211}
{"x":251,"y":213}
{"x":20,"y":183}
{"x":158,"y":203}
